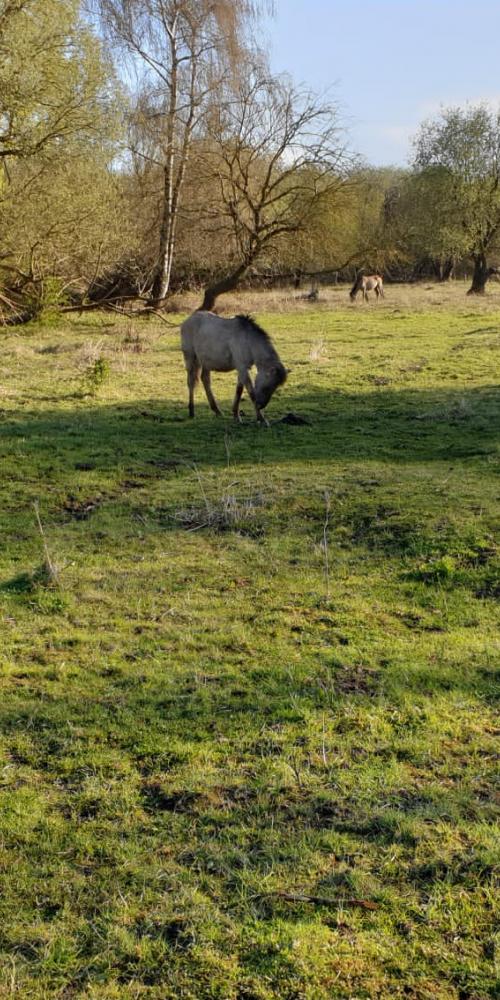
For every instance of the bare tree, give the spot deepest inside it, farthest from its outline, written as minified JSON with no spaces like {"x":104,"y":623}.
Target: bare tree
{"x":277,"y":153}
{"x":180,"y":50}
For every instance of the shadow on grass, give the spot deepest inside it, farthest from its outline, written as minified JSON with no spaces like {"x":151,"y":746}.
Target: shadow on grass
{"x":132,"y":708}
{"x":384,"y":425}
{"x":139,"y":726}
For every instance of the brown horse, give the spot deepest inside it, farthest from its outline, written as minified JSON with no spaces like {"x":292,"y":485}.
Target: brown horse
{"x":367,"y":283}
{"x":213,"y":343}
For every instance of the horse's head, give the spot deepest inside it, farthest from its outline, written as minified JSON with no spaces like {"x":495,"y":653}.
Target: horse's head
{"x":267,"y":380}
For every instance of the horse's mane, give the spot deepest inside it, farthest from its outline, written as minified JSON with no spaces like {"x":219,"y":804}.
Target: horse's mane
{"x":248,"y":321}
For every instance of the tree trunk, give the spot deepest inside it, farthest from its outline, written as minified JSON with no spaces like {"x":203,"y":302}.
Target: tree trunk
{"x":480,"y":275}
{"x":161,"y":281}
{"x":446,"y":269}
{"x":220,"y":287}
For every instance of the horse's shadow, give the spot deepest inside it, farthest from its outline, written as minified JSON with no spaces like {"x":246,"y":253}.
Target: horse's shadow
{"x":385,"y":425}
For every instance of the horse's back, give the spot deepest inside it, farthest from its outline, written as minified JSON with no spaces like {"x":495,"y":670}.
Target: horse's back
{"x":195,"y":329}
{"x":373,"y":281}
{"x":208,"y":338}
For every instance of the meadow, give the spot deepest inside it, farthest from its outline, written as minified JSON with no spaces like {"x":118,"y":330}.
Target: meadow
{"x":248,"y":675}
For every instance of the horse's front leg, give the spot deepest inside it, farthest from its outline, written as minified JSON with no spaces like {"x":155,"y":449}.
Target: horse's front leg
{"x":205,"y":378}
{"x":258,"y":413}
{"x":236,"y":401}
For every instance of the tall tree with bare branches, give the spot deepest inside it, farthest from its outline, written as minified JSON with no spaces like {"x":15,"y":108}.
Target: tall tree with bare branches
{"x":180,"y":51}
{"x":278,"y":153}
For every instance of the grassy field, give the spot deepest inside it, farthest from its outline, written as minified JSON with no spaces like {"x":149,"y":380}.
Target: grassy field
{"x":248,"y":733}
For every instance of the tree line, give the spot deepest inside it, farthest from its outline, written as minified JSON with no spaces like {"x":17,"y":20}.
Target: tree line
{"x":145,"y":146}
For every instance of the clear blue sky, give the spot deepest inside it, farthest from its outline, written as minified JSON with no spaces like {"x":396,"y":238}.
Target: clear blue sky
{"x":390,"y":63}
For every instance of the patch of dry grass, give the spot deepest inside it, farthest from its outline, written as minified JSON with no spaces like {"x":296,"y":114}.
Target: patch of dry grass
{"x":419,"y":297}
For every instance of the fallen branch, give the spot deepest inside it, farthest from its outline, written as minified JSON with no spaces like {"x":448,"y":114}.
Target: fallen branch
{"x":111,"y":305}
{"x":16,"y":318}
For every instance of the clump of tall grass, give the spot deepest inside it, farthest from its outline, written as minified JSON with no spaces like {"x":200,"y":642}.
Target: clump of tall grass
{"x":133,"y":340}
{"x":318,"y":351}
{"x":227,"y":512}
{"x":43,"y":584}
{"x":94,"y":366}
{"x":224,"y":511}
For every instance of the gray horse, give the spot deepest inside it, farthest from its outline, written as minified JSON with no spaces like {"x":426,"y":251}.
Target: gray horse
{"x":367,"y":283}
{"x":212,"y":343}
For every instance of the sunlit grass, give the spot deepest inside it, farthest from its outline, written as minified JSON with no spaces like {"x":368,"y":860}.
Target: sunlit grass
{"x":246,"y":756}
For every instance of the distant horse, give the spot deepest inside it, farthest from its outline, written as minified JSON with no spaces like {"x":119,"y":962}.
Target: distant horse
{"x":212,"y":343}
{"x":367,"y":283}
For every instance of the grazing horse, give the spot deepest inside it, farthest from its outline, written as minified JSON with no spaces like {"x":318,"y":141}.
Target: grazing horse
{"x":367,"y":283}
{"x":212,"y":343}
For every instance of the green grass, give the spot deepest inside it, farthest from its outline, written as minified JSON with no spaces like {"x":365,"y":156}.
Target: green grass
{"x":248,"y":741}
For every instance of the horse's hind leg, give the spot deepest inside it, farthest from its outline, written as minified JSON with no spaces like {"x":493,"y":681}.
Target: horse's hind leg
{"x":205,"y":378}
{"x":193,"y":374}
{"x":236,"y":401}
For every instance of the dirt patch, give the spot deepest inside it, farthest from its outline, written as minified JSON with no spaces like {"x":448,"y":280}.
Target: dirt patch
{"x":81,"y":510}
{"x":157,"y":798}
{"x":357,"y":680}
{"x":294,"y":419}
